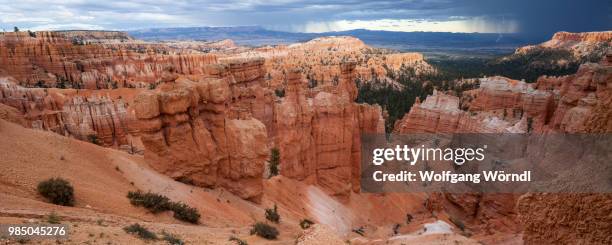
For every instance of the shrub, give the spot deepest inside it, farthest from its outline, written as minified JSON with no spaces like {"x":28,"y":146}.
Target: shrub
{"x":396,"y":228}
{"x":172,"y":239}
{"x":274,"y":161}
{"x":157,"y":203}
{"x":279,"y":93}
{"x":238,"y":240}
{"x":529,"y":124}
{"x":306,"y":223}
{"x":185,"y":213}
{"x":53,"y":218}
{"x":272,"y":214}
{"x":408,"y":218}
{"x":359,"y":231}
{"x":312,"y":83}
{"x":153,"y":202}
{"x":40,"y":84}
{"x":264,"y":230}
{"x":23,"y":241}
{"x":185,"y":180}
{"x":93,"y":139}
{"x":140,"y":231}
{"x":57,"y":191}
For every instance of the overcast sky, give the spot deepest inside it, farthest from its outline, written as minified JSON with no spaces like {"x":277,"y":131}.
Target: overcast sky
{"x":534,"y":17}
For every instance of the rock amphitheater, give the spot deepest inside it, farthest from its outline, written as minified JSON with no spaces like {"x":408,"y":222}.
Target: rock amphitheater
{"x":113,"y":114}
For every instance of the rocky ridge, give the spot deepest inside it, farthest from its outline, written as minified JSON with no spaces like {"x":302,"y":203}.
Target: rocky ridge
{"x":319,"y":60}
{"x":580,"y":44}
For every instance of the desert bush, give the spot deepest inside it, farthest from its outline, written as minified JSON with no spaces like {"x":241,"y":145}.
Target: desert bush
{"x":408,"y":218}
{"x":264,"y":230}
{"x":279,"y":93}
{"x":57,"y":191}
{"x":272,"y":214}
{"x":274,"y":161}
{"x":396,"y":228}
{"x":93,"y":139}
{"x":359,"y":230}
{"x":238,"y":240}
{"x":185,"y":180}
{"x":306,"y":223}
{"x":153,"y":202}
{"x":172,"y":239}
{"x":158,"y":203}
{"x":140,"y":231}
{"x":185,"y":213}
{"x":529,"y":125}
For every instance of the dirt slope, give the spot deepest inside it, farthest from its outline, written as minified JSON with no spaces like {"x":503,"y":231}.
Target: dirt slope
{"x":102,"y":177}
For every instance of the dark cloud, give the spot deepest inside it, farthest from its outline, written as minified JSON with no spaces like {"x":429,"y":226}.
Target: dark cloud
{"x":534,"y":17}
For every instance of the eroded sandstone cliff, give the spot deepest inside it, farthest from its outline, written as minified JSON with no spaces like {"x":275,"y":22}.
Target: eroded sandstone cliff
{"x":215,"y":129}
{"x":50,"y":59}
{"x":101,"y":116}
{"x":578,"y":103}
{"x":188,"y":135}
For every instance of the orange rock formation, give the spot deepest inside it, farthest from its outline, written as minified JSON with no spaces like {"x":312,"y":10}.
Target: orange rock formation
{"x":51,"y":59}
{"x":579,"y":103}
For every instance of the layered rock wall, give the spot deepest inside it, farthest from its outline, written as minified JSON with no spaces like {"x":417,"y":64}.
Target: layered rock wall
{"x":188,"y":135}
{"x":101,"y":118}
{"x":50,"y":59}
{"x":583,"y":99}
{"x":215,"y":128}
{"x":583,"y":36}
{"x":584,"y":106}
{"x":579,"y":103}
{"x":319,"y":137}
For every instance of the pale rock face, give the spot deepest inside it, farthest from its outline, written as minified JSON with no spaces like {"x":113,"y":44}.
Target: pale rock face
{"x":247,"y":152}
{"x":438,"y":113}
{"x":497,"y":106}
{"x":146,"y":105}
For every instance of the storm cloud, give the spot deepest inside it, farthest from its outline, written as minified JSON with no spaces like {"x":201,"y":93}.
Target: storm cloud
{"x":536,"y":18}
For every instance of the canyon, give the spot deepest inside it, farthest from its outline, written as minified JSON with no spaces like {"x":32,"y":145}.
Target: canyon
{"x":208,"y":114}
